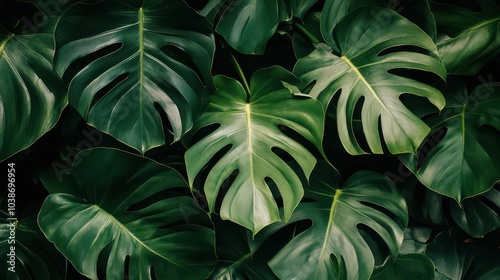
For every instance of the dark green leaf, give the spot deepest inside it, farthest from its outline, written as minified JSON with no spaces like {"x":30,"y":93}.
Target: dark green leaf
{"x":410,"y":267}
{"x":247,"y":25}
{"x":460,"y":261}
{"x":32,"y":97}
{"x":35,"y":256}
{"x":463,"y":164}
{"x":470,"y":39}
{"x":333,"y":244}
{"x":133,"y":61}
{"x":240,"y":254}
{"x":478,"y":217}
{"x":133,"y":208}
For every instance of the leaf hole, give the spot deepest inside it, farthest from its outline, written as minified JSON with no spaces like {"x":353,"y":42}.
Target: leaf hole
{"x":307,"y":88}
{"x":156,"y":197}
{"x":418,"y":105}
{"x":226,"y":184}
{"x":167,"y":126}
{"x":274,"y":189}
{"x":378,"y":247}
{"x":106,"y":89}
{"x":152,"y":272}
{"x":425,"y":77}
{"x":197,"y":4}
{"x":203,"y":132}
{"x":183,"y":58}
{"x":432,"y":140}
{"x":404,"y":48}
{"x":79,"y":64}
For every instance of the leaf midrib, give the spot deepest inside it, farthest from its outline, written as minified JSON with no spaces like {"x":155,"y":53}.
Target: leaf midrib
{"x":333,"y":209}
{"x":4,"y":44}
{"x":250,"y":148}
{"x":367,"y":85}
{"x":141,"y":72}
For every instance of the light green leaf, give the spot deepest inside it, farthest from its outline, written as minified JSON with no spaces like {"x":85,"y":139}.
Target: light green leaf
{"x":463,"y":164}
{"x":470,"y":39}
{"x":333,"y":244}
{"x":251,"y":130}
{"x":361,"y":72}
{"x":132,"y":62}
{"x":133,"y":208}
{"x":32,"y":96}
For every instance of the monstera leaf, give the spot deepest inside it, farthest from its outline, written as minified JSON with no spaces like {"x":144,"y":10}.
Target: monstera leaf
{"x":132,"y":211}
{"x":247,"y":25}
{"x":241,"y":255}
{"x":35,"y":257}
{"x":32,"y":96}
{"x":333,"y":245}
{"x":478,"y":215}
{"x":251,"y":130}
{"x":455,"y":260}
{"x":463,"y":164}
{"x":365,"y":54}
{"x":335,"y":10}
{"x":132,"y":62}
{"x":411,"y":267}
{"x":470,"y":38}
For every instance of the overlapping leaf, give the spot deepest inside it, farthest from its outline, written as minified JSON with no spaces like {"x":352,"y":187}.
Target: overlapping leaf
{"x":251,"y":130}
{"x":35,"y":257}
{"x":470,"y":38}
{"x":131,"y":62}
{"x":247,"y":25}
{"x":464,"y":163}
{"x":410,"y":267}
{"x":455,"y":260}
{"x":364,"y":43}
{"x":333,"y":246}
{"x":132,"y":211}
{"x":32,"y":96}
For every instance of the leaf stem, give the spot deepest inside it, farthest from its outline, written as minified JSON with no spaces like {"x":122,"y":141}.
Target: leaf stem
{"x":241,"y":75}
{"x":311,"y":36}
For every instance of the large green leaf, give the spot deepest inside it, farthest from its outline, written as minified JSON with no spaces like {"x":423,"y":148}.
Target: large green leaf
{"x":478,"y":215}
{"x":471,"y":39}
{"x":247,"y":25}
{"x":363,"y":74}
{"x":464,"y":163}
{"x":333,"y":244}
{"x":335,"y":10}
{"x":411,"y":267}
{"x":455,"y":261}
{"x":251,"y":130}
{"x":32,"y":96}
{"x":241,"y":255}
{"x":35,"y":256}
{"x":132,"y":62}
{"x":133,"y":211}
